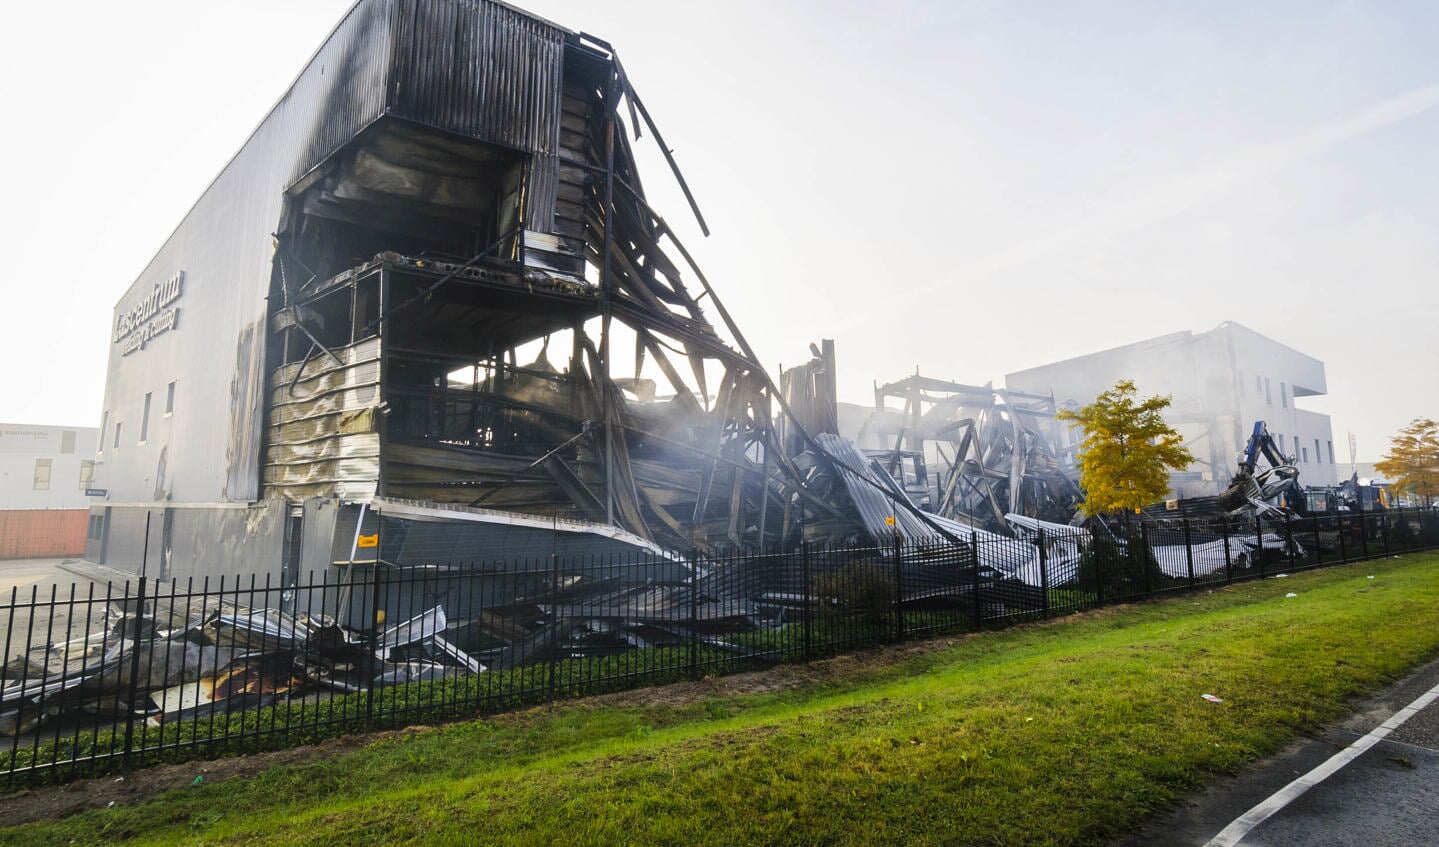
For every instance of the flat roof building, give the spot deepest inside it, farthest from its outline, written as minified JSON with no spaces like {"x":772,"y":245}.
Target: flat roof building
{"x":46,"y":479}
{"x":1221,"y":382}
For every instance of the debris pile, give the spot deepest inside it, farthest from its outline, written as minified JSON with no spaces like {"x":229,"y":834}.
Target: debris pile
{"x":172,"y":662}
{"x":996,"y":451}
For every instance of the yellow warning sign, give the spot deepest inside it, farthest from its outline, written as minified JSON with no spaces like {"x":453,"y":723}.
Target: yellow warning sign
{"x":368,"y":541}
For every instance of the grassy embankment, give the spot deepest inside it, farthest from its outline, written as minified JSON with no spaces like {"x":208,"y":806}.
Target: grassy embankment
{"x":1065,"y":733}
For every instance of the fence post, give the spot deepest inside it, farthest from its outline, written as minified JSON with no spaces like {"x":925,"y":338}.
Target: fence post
{"x":1343,"y":546}
{"x":1099,"y":571}
{"x":1289,"y":540}
{"x":1318,"y":551}
{"x":974,"y":554}
{"x":1384,"y":528}
{"x":1228,"y":560}
{"x":554,"y":622}
{"x":1043,"y":574}
{"x":898,"y":587}
{"x":1189,"y":550}
{"x":134,"y":653}
{"x":1144,"y":559}
{"x":810,"y":606}
{"x":694,"y":615}
{"x":1259,"y":543}
{"x":375,"y":632}
{"x":1363,"y":530}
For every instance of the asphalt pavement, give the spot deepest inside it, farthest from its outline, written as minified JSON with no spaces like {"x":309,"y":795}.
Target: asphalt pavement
{"x":24,"y":573}
{"x":1370,"y":780}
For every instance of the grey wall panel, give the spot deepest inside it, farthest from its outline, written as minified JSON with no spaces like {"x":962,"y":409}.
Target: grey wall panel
{"x":126,"y":545}
{"x":209,"y":449}
{"x":234,"y":542}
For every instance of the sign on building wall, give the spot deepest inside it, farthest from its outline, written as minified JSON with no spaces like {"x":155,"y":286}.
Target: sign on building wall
{"x":151,"y":317}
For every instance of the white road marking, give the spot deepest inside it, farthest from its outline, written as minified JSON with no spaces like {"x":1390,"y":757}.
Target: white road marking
{"x":1235,"y":832}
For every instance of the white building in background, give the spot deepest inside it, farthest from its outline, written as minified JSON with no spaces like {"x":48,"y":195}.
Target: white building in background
{"x":46,"y":467}
{"x":44,"y":474}
{"x":1221,"y":382}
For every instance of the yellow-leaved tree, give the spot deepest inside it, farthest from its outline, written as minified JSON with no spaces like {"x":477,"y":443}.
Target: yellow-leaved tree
{"x":1127,"y":451}
{"x":1412,"y":463}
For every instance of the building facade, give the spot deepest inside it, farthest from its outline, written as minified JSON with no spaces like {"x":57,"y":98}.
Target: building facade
{"x":429,"y":290}
{"x":1221,"y":382}
{"x":46,"y":477}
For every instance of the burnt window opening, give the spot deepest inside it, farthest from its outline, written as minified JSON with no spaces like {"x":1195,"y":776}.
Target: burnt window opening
{"x":399,"y":192}
{"x":407,"y":190}
{"x":503,"y":404}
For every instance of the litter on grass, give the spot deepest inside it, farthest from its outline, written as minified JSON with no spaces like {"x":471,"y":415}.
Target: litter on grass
{"x":1211,"y":698}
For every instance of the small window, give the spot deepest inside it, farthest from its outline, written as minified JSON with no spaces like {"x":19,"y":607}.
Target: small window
{"x":1268,"y":398}
{"x":116,"y":445}
{"x":1258,"y":383}
{"x":1331,"y":451}
{"x":1283,"y":395}
{"x":170,"y":399}
{"x":145,"y":420}
{"x":67,"y":441}
{"x":1280,"y":438}
{"x":87,"y":474}
{"x":1305,"y":452}
{"x":42,"y":474}
{"x":104,"y":423}
{"x":1318,"y":456}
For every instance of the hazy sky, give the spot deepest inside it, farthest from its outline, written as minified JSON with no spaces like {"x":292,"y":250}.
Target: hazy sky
{"x":967,"y":188}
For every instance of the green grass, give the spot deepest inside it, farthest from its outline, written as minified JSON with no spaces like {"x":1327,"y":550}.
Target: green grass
{"x":1063,"y":733}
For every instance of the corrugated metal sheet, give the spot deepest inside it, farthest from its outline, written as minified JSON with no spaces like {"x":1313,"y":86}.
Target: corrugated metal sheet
{"x":479,"y":69}
{"x":486,"y":71}
{"x":343,"y":88}
{"x":877,"y":496}
{"x":323,"y":437}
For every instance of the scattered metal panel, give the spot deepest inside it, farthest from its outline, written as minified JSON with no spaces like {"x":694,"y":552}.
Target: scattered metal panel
{"x":883,"y":508}
{"x":461,"y":534}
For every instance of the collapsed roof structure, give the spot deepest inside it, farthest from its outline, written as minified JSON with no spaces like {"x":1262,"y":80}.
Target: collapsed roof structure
{"x":997,"y":452}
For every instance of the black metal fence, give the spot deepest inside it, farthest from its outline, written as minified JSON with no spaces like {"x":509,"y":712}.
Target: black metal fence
{"x":108,"y":677}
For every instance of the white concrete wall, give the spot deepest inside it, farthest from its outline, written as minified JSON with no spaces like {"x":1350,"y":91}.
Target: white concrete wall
{"x":1221,"y":382}
{"x":24,"y":446}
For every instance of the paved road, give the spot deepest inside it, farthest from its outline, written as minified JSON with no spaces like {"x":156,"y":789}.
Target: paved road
{"x":1386,"y":795}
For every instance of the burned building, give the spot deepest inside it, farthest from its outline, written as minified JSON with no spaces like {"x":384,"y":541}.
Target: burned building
{"x":428,"y":297}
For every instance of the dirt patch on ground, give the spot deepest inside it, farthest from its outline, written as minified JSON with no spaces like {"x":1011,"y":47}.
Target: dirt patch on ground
{"x":60,"y":801}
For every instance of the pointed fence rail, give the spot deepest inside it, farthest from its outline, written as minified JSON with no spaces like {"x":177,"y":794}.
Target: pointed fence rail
{"x":105,"y":677}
